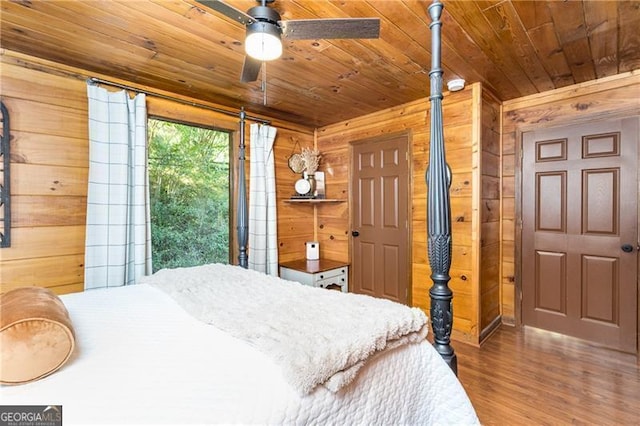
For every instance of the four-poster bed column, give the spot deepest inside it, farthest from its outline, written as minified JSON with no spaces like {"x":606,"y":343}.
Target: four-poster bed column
{"x":438,"y":179}
{"x":242,"y":215}
{"x":439,"y":207}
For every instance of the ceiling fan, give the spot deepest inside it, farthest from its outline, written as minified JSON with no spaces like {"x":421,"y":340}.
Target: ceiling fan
{"x":265,"y":29}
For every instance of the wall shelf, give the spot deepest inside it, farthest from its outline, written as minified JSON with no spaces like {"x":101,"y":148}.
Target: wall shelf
{"x":313,"y":200}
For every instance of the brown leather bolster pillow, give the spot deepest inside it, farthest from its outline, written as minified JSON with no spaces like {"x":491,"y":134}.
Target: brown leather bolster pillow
{"x":36,"y":335}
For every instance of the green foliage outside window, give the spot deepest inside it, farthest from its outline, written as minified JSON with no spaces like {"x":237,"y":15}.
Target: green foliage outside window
{"x":189,"y":189}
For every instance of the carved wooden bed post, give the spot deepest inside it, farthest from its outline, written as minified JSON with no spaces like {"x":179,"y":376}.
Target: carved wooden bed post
{"x":5,"y":191}
{"x":439,"y":207}
{"x":242,"y":217}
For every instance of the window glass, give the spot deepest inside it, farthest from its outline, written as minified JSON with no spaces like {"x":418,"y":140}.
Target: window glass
{"x":189,"y":190}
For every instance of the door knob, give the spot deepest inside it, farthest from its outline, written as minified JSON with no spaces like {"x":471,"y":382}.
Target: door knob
{"x":627,"y":248}
{"x":355,"y":233}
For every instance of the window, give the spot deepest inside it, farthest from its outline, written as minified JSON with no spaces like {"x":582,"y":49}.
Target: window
{"x":189,"y":190}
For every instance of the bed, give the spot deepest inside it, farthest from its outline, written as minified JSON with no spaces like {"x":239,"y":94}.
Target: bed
{"x":141,"y":357}
{"x":222,"y":344}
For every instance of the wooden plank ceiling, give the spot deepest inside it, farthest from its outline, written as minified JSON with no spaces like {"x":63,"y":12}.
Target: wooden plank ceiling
{"x":514,"y":48}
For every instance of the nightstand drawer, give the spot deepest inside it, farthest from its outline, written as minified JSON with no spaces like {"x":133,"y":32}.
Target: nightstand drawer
{"x":333,"y":273}
{"x":338,"y":280}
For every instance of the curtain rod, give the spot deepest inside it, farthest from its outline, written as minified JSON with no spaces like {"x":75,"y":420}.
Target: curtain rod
{"x":95,"y":80}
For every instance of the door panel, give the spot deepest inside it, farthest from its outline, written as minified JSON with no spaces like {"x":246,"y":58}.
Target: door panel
{"x":600,"y":202}
{"x":551,"y":284}
{"x":392,"y":261}
{"x":551,"y":203}
{"x":600,"y":289}
{"x":380,"y":190}
{"x":579,"y":206}
{"x":363,"y":257}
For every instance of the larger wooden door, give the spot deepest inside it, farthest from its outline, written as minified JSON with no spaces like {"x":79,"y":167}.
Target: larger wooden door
{"x":579,"y":231}
{"x":380,"y":231}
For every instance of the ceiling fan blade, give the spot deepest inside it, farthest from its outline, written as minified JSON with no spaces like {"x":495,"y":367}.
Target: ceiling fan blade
{"x":310,"y":29}
{"x":229,"y":11}
{"x":250,"y":69}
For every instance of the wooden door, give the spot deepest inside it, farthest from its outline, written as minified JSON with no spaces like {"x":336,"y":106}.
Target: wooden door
{"x":380,"y":230}
{"x":579,"y":231}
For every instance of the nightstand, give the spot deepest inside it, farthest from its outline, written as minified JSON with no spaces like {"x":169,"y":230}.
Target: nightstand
{"x":317,"y":273}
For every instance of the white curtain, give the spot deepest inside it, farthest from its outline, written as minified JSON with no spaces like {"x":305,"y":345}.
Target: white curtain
{"x":118,"y":233}
{"x":263,"y":231}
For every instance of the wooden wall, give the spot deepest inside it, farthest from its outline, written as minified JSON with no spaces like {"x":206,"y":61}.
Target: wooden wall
{"x":49,"y":167}
{"x":489,"y":214}
{"x":607,"y":98}
{"x":47,"y":103}
{"x":461,"y":139}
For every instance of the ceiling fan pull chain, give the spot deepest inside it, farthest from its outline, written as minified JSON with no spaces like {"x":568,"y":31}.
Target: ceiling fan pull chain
{"x":264,"y":84}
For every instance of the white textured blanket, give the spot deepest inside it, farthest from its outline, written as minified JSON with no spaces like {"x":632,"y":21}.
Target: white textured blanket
{"x":317,"y":336}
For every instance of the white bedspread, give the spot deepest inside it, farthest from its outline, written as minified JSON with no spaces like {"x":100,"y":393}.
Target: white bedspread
{"x":317,"y":337}
{"x":141,"y":359}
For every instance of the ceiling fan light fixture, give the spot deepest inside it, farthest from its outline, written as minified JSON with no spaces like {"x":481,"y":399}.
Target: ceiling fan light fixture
{"x":263,"y":41}
{"x":265,"y":29}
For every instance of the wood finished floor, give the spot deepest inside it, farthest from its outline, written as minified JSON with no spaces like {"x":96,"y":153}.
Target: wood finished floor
{"x":535,"y":377}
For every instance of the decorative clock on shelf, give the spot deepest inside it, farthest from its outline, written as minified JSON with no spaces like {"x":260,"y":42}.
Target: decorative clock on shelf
{"x":303,"y":187}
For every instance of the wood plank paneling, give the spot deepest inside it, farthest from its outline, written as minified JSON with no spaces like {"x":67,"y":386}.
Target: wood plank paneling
{"x":47,"y":88}
{"x":47,"y":119}
{"x":504,"y":20}
{"x":45,"y":210}
{"x":490,"y":214}
{"x":49,"y":164}
{"x":628,"y":38}
{"x":163,"y":108}
{"x":47,"y":271}
{"x":601,"y":18}
{"x":570,"y":26}
{"x":512,"y":47}
{"x":533,"y":13}
{"x":40,"y":242}
{"x":457,"y":39}
{"x":412,"y":59}
{"x":491,"y":232}
{"x":490,"y":210}
{"x":31,"y":179}
{"x":43,"y":149}
{"x":460,"y":185}
{"x":472,"y":18}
